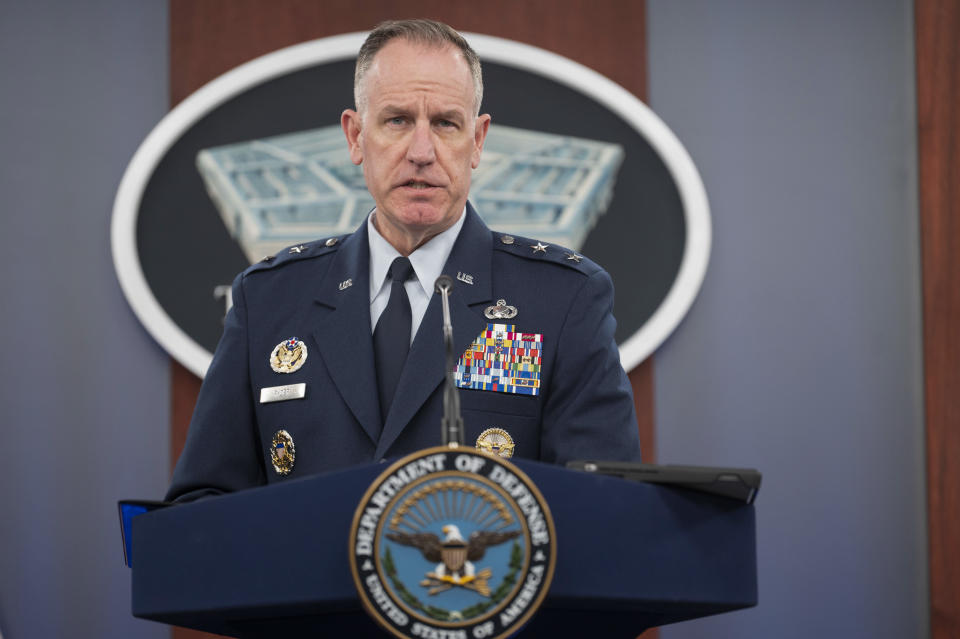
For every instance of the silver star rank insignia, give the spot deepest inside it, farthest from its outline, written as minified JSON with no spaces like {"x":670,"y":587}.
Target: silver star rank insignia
{"x":539,"y":247}
{"x":297,"y":249}
{"x":573,"y":256}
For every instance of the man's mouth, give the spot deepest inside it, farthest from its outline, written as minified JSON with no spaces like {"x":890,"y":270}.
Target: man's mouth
{"x":417,"y":184}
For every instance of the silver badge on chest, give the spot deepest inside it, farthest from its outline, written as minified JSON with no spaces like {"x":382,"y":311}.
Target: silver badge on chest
{"x":500,"y":311}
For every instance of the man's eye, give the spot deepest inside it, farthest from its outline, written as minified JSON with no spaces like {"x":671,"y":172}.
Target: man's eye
{"x":397,"y":120}
{"x":445,"y":124}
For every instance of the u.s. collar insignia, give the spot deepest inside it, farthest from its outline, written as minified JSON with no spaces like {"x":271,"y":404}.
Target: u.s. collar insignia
{"x":500,"y":311}
{"x":441,"y":546}
{"x":496,"y":441}
{"x":282,"y":452}
{"x":288,"y":356}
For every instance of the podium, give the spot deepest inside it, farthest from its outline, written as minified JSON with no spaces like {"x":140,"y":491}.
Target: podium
{"x":273,"y":561}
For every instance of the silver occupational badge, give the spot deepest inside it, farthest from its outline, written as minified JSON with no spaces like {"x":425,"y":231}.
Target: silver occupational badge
{"x":496,"y":441}
{"x":288,"y":356}
{"x":452,"y":543}
{"x":500,"y":311}
{"x":282,"y":452}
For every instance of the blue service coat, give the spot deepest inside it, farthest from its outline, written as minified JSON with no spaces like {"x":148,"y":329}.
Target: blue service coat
{"x":584,"y":408}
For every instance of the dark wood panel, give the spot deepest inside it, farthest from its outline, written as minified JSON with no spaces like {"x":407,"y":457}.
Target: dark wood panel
{"x":938,"y":122}
{"x":641,"y":380}
{"x":211,"y":37}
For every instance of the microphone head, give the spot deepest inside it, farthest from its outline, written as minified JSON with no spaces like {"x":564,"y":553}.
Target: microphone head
{"x":443,"y":284}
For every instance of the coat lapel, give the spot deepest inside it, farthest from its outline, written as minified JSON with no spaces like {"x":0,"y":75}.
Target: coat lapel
{"x":343,"y":330}
{"x":424,"y":369}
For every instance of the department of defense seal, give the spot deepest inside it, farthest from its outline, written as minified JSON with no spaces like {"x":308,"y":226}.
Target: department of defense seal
{"x":496,"y":441}
{"x":288,"y":356}
{"x":453,"y":543}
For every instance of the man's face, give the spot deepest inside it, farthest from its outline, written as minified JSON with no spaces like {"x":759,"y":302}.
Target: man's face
{"x":417,"y":138}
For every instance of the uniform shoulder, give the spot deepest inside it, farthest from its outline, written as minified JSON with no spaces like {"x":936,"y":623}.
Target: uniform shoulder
{"x":297,"y":253}
{"x":538,"y":251}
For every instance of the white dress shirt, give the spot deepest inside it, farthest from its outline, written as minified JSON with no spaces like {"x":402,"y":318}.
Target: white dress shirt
{"x":427,"y":261}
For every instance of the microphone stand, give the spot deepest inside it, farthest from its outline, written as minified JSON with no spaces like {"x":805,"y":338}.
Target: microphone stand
{"x":452,"y":423}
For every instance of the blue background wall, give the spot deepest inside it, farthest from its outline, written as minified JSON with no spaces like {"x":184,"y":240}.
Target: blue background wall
{"x":800,"y":357}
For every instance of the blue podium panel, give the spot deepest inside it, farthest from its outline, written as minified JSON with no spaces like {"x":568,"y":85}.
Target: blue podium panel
{"x":274,"y":561}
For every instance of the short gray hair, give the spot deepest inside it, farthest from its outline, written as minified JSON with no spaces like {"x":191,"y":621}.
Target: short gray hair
{"x":420,"y":31}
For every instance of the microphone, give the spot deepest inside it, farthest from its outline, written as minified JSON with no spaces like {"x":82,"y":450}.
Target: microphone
{"x":444,"y":284}
{"x":451,"y":425}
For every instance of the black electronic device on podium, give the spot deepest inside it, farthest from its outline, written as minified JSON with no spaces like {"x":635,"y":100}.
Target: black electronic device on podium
{"x":275,"y":561}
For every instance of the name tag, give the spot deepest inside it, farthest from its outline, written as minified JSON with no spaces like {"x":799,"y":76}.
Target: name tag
{"x":282,"y":393}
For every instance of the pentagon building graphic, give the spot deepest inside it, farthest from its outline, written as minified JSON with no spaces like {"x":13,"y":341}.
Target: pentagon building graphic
{"x":302,"y":186}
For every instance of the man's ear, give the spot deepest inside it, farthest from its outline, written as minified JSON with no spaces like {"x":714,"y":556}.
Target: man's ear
{"x":479,"y":135}
{"x":350,"y":122}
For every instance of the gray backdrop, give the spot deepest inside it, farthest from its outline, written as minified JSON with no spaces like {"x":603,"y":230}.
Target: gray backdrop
{"x":801,"y":356}
{"x":84,"y":391}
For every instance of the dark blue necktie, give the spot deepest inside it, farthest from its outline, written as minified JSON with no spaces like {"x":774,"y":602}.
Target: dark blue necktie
{"x":391,"y":337}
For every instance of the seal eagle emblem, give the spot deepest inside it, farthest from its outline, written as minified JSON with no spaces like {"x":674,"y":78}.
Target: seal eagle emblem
{"x":452,"y":542}
{"x":456,"y":556}
{"x":288,"y":356}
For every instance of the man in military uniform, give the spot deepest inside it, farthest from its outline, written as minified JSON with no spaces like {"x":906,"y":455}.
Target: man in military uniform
{"x":332,"y":354}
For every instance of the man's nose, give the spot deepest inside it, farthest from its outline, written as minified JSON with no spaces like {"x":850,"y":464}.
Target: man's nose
{"x":421,"y":150}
